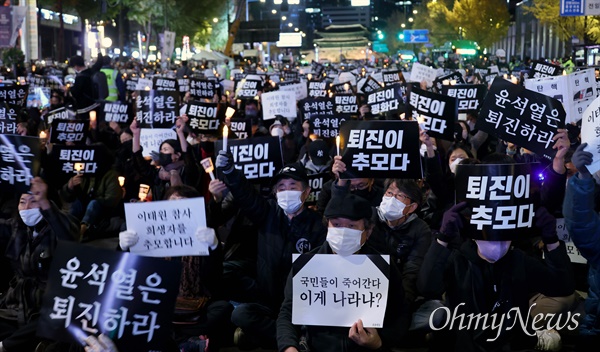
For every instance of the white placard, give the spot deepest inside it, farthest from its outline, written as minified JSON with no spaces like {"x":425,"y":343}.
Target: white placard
{"x":422,"y":73}
{"x":589,"y":134}
{"x":494,"y":69}
{"x":298,"y":88}
{"x":347,"y":77}
{"x":563,"y":235}
{"x":143,"y":84}
{"x":279,"y":103}
{"x":167,"y":228}
{"x":331,"y":290}
{"x":378,"y":76}
{"x":228,"y":86}
{"x":151,"y":138}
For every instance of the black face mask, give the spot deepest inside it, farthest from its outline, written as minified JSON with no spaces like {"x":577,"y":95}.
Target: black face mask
{"x":208,"y":147}
{"x":165,"y":159}
{"x":363,"y":193}
{"x":125,"y":152}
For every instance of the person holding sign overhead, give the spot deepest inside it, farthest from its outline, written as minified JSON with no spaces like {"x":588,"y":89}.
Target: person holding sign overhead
{"x":349,"y":227}
{"x":34,"y":236}
{"x":285,"y":226}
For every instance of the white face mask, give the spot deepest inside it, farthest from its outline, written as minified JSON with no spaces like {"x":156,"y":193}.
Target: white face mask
{"x":392,"y":208}
{"x":31,"y":217}
{"x":344,"y":241}
{"x":290,"y":201}
{"x":454,"y":164}
{"x":277,"y":132}
{"x":493,"y":250}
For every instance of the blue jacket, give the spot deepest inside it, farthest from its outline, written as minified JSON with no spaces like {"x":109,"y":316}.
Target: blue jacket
{"x":583,"y":224}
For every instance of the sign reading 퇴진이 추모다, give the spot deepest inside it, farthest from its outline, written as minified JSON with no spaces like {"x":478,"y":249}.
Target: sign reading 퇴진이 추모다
{"x":82,"y":159}
{"x":241,"y":127}
{"x":165,"y":84}
{"x":68,"y":131}
{"x":380,"y":149}
{"x":94,"y":291}
{"x":436,"y":113}
{"x":346,"y":104}
{"x":469,"y":96}
{"x":167,"y":228}
{"x":19,"y":162}
{"x":350,"y":288}
{"x":521,"y":116}
{"x":317,"y":89}
{"x":203,"y":117}
{"x":500,"y":200}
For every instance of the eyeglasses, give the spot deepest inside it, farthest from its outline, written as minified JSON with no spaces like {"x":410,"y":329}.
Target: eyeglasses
{"x":359,"y":186}
{"x":401,"y":197}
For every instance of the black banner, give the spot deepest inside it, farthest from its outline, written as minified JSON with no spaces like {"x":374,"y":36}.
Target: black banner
{"x":241,"y":127}
{"x":500,"y":200}
{"x":202,"y":89}
{"x":8,"y":118}
{"x":387,"y":99}
{"x":15,"y":94}
{"x":380,"y":149}
{"x":392,"y":77}
{"x":156,"y":109}
{"x":117,"y":112}
{"x":73,"y":160}
{"x":457,"y":77}
{"x":258,"y":158}
{"x":315,"y":182}
{"x":370,"y":85}
{"x":521,"y":116}
{"x":342,"y":88}
{"x":316,"y":106}
{"x":469,"y":96}
{"x":68,"y":131}
{"x":204,"y":117}
{"x":327,"y":126}
{"x":165,"y":84}
{"x":59,"y":114}
{"x":291,"y":76}
{"x":131,"y":83}
{"x":436,"y":113}
{"x":345,"y":104}
{"x":184,"y":85}
{"x":247,"y":89}
{"x":317,"y":89}
{"x":543,"y":69}
{"x":94,"y":291}
{"x":19,"y":162}
{"x":317,"y":68}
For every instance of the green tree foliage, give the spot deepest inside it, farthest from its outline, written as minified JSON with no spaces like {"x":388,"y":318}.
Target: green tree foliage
{"x":434,"y":17}
{"x":586,"y":28}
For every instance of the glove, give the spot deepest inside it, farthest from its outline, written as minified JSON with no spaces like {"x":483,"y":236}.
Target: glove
{"x":547,"y":222}
{"x":100,"y":344}
{"x":224,"y":162}
{"x":452,"y":223}
{"x":582,"y":158}
{"x":127,"y":239}
{"x":207,"y":235}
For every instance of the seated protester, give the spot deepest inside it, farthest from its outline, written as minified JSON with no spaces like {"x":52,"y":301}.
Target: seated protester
{"x":349,"y":227}
{"x":285,"y":226}
{"x":317,"y":160}
{"x":34,"y":236}
{"x":583,"y":223}
{"x":177,"y":165}
{"x":200,"y":285}
{"x":487,"y":277}
{"x":94,"y":199}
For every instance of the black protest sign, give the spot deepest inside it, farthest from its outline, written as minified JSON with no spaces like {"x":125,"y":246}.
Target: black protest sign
{"x":117,"y":112}
{"x":131,"y":83}
{"x":525,"y":74}
{"x":327,"y":126}
{"x":490,"y":78}
{"x":58,"y":114}
{"x":241,"y":127}
{"x":436,"y":113}
{"x":8,"y":118}
{"x":499,"y":200}
{"x":380,"y":149}
{"x":94,"y":291}
{"x":247,"y":88}
{"x":317,"y":89}
{"x":156,"y":109}
{"x":202,"y":88}
{"x":316,"y":106}
{"x":392,"y":77}
{"x":38,"y":81}
{"x":15,"y":94}
{"x":184,"y":85}
{"x":68,"y":131}
{"x":315,"y":182}
{"x":469,"y":96}
{"x":370,"y":85}
{"x":453,"y":78}
{"x":258,"y":158}
{"x":238,"y":76}
{"x":317,"y":68}
{"x":291,"y":76}
{"x":521,"y":116}
{"x":73,"y":160}
{"x":19,"y":162}
{"x":343,"y":88}
{"x":387,"y":99}
{"x":165,"y":84}
{"x":543,"y":69}
{"x":204,"y":117}
{"x":345,"y":104}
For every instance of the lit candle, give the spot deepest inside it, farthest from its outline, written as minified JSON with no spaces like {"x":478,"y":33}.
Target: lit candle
{"x":143,"y":192}
{"x":121,"y":181}
{"x":208,"y":167}
{"x":337,"y":144}
{"x":92,"y":116}
{"x":43,"y":135}
{"x":78,"y":168}
{"x":446,"y":82}
{"x":309,"y":76}
{"x":239,"y":103}
{"x":514,"y":80}
{"x":225,"y":133}
{"x":452,"y":82}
